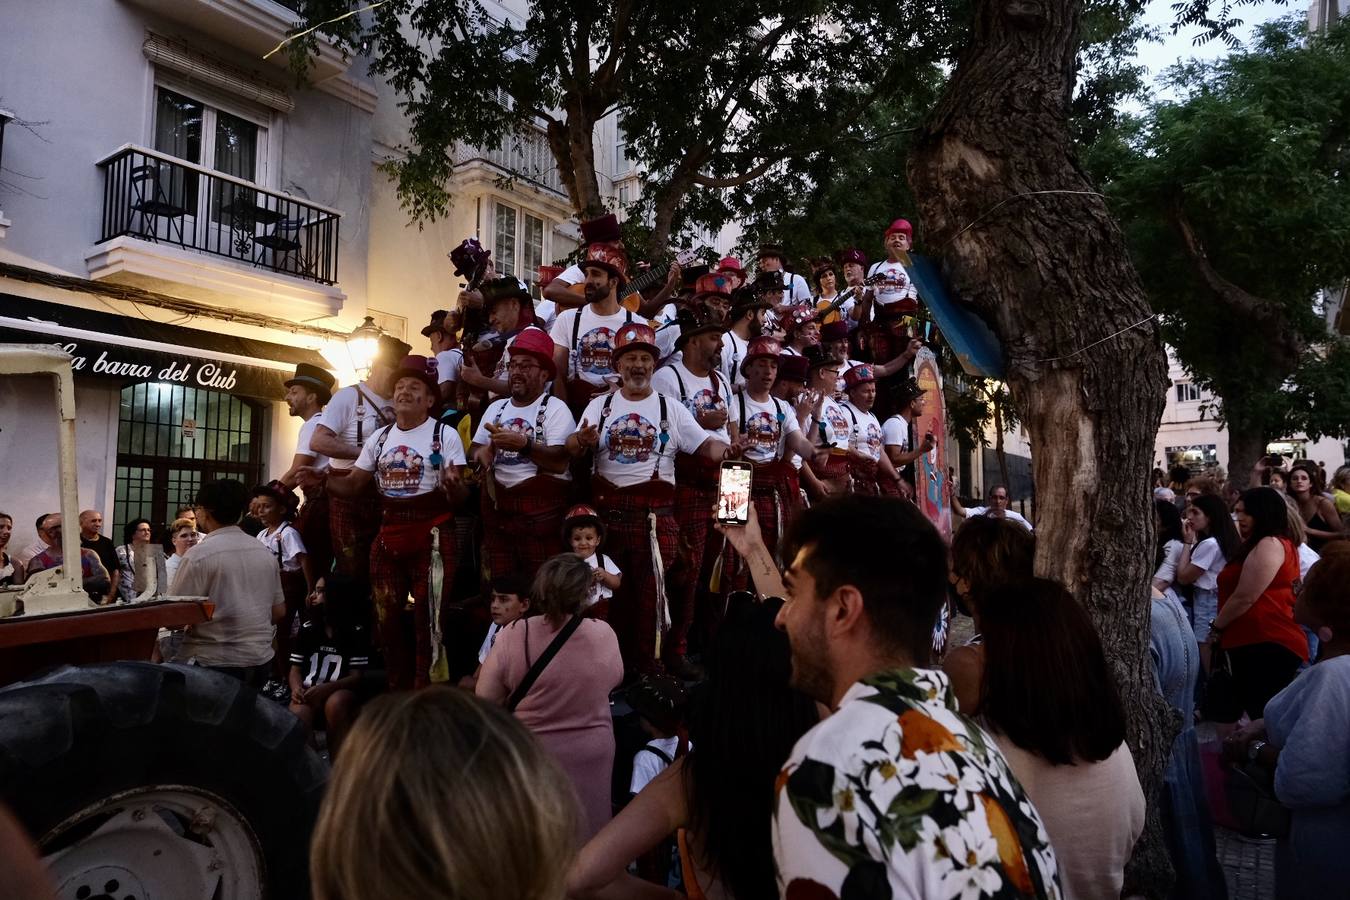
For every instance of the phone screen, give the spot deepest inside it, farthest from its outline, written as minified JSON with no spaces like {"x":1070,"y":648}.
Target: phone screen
{"x":733,"y":493}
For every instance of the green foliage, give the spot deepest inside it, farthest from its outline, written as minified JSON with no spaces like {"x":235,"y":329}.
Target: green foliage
{"x":1254,"y":158}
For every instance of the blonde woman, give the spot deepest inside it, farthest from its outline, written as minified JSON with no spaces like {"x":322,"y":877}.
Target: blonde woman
{"x":438,"y":794}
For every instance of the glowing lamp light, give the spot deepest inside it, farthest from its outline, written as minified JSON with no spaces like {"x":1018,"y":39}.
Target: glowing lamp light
{"x":362,"y":344}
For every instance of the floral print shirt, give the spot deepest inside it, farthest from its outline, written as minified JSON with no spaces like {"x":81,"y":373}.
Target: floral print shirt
{"x":897,"y":795}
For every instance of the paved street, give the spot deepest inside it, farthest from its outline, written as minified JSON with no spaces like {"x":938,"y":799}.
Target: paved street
{"x":1248,"y":865}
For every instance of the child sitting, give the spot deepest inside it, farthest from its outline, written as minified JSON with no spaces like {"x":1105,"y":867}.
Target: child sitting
{"x":328,"y":659}
{"x":510,"y":601}
{"x":659,"y":701}
{"x":583,"y":533}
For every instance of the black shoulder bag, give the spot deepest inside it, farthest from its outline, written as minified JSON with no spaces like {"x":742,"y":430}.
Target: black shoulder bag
{"x":542,"y":663}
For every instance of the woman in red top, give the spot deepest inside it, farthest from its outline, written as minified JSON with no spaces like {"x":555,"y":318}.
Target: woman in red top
{"x":1255,"y":625}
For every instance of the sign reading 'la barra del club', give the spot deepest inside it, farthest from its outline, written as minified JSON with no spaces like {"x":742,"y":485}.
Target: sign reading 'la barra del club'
{"x":131,"y":364}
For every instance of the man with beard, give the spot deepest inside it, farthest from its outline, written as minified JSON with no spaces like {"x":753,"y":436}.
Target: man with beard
{"x":584,"y":337}
{"x":896,"y":433}
{"x":510,"y":310}
{"x":307,"y":393}
{"x":521,"y":445}
{"x":347,"y":422}
{"x":868,"y":465}
{"x":634,"y":435}
{"x":414,"y":464}
{"x":703,"y":390}
{"x":770,"y":259}
{"x":767,"y":431}
{"x":860,"y":627}
{"x":744,"y":321}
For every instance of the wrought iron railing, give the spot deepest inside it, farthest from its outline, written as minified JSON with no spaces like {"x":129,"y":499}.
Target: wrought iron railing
{"x":155,"y":197}
{"x":526,"y":155}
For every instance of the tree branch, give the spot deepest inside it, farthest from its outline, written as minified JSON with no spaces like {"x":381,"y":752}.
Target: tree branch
{"x":1228,"y":293}
{"x":709,"y":181}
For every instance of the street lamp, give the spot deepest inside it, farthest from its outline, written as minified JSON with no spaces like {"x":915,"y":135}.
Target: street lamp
{"x":361,"y":346}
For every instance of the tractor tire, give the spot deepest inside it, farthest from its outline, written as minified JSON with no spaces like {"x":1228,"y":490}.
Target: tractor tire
{"x":159,"y":782}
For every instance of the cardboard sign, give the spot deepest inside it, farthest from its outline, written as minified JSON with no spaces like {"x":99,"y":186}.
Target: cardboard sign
{"x":930,"y":470}
{"x":189,"y":429}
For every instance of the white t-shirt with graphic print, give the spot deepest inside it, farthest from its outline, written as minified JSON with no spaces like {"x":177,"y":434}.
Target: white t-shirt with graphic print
{"x":404,"y":468}
{"x":630,"y":437}
{"x":509,"y":466}
{"x":766,"y":426}
{"x":589,"y":359}
{"x":699,"y":394}
{"x":833,"y":427}
{"x":866,"y":431}
{"x":897,"y":287}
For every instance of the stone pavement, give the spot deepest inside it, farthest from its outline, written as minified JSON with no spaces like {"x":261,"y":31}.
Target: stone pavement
{"x":1248,"y":865}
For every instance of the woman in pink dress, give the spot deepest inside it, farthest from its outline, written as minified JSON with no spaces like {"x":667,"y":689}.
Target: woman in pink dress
{"x":567,"y":706}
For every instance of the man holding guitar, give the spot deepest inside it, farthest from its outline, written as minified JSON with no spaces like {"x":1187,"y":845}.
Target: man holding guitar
{"x":568,"y":289}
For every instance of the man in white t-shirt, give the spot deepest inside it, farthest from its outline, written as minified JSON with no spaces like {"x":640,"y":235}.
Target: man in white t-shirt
{"x":307,"y":392}
{"x":348,"y":420}
{"x":695,"y":381}
{"x":414,"y":464}
{"x":634,"y":435}
{"x":584,"y":337}
{"x":765,"y":430}
{"x":834,"y":338}
{"x":442,"y":332}
{"x":997,"y":508}
{"x":830,"y":428}
{"x":770,"y":259}
{"x":869,"y":466}
{"x":744,"y":321}
{"x":521,"y":446}
{"x":895,"y":432}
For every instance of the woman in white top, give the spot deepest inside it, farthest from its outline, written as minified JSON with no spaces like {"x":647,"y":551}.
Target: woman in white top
{"x":1209,"y":540}
{"x":1050,"y":702}
{"x":1167,"y":524}
{"x":135,"y":538}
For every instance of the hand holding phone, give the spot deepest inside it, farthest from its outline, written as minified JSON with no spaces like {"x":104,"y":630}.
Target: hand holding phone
{"x":733,"y":492}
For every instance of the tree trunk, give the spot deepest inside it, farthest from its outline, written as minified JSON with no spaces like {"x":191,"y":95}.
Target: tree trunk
{"x":1246,"y":443}
{"x":1051,"y":276}
{"x":572,"y":143}
{"x":1000,"y":453}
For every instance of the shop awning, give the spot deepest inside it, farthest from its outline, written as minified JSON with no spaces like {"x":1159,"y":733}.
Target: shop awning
{"x":128,"y":349}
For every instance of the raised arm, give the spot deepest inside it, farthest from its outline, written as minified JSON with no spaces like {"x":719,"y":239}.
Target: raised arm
{"x":327,"y":442}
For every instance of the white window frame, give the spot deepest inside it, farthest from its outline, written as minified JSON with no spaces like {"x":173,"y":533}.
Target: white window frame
{"x":1189,"y":392}
{"x":269,"y":137}
{"x":517,"y":261}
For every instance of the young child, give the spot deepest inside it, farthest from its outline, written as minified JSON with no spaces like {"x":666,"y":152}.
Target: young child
{"x":510,"y":601}
{"x":275,"y":505}
{"x":659,"y":701}
{"x":328,"y":658}
{"x":583,"y":534}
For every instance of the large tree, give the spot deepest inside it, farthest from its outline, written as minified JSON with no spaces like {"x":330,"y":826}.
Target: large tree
{"x":1236,"y":203}
{"x":1025,"y":238}
{"x":711,"y":94}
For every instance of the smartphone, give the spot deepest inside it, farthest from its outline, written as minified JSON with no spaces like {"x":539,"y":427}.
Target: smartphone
{"x":733,"y":492}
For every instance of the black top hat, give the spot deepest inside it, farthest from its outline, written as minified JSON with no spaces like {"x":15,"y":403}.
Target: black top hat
{"x":770,"y":250}
{"x":437,"y":322}
{"x":320,"y":380}
{"x":743,"y":299}
{"x":768,"y":282}
{"x":691,"y":324}
{"x":505,"y":288}
{"x":389,"y":350}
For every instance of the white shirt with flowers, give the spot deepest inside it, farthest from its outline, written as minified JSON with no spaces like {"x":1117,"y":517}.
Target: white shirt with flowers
{"x":897,"y":795}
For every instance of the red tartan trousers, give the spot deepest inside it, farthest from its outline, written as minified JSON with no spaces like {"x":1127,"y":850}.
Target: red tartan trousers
{"x":400,"y":560}
{"x":352,"y":525}
{"x":695,"y":495}
{"x":523,"y":526}
{"x":633,"y":611}
{"x":312,"y":523}
{"x":864,"y":477}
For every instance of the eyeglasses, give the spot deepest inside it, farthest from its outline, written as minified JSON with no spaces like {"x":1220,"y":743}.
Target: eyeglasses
{"x":521,"y":365}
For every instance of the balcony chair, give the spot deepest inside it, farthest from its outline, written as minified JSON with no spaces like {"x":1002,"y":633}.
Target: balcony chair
{"x":284,"y":242}
{"x":153,"y":204}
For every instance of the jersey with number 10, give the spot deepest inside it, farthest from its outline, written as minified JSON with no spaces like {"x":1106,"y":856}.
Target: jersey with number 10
{"x":323,"y":658}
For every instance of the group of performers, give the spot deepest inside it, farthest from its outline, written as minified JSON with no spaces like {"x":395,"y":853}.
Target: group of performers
{"x":624,"y":400}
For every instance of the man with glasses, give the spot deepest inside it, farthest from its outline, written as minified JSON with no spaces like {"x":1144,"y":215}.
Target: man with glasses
{"x":521,"y":446}
{"x":997,"y":508}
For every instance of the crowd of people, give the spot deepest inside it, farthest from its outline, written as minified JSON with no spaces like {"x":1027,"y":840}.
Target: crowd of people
{"x":525,"y":516}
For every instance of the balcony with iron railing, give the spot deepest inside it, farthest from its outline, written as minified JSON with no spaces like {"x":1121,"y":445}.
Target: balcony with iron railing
{"x":524,"y":156}
{"x":169,"y":211}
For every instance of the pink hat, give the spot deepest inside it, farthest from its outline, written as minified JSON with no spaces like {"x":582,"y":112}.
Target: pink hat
{"x":536,"y":342}
{"x":859,"y":375}
{"x":901,"y":225}
{"x":712,"y":283}
{"x":730,"y":264}
{"x":608,"y":255}
{"x":762,"y":347}
{"x":833,"y":331}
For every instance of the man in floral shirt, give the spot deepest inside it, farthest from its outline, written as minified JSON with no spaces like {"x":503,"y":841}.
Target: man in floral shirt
{"x":895,"y":795}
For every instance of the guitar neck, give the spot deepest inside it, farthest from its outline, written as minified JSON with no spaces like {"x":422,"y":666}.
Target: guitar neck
{"x":654,"y":275}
